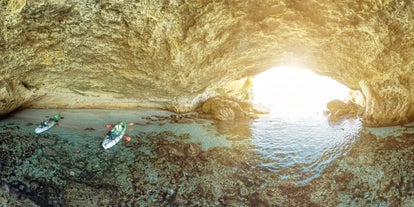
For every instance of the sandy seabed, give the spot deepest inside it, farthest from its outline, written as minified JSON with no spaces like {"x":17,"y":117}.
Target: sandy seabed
{"x":189,"y":163}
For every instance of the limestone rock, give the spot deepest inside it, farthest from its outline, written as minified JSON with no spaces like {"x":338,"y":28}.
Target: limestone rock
{"x":177,"y":54}
{"x":388,"y":100}
{"x":339,"y":110}
{"x":13,"y":94}
{"x":223,"y":108}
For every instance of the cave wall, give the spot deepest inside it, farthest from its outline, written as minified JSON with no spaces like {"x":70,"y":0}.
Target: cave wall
{"x":174,"y":54}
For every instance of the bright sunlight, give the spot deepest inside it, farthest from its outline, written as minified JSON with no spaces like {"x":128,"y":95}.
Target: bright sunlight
{"x":290,"y":91}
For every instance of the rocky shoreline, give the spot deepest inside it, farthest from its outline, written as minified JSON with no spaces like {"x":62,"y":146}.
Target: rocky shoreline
{"x":164,"y":169}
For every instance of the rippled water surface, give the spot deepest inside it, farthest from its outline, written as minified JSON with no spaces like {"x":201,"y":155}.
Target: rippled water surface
{"x":186,"y":160}
{"x":295,"y":140}
{"x":301,"y":148}
{"x":298,"y":149}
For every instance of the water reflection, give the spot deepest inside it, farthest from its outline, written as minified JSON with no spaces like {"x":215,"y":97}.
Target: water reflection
{"x":301,"y":148}
{"x":296,"y":149}
{"x":294,"y":139}
{"x":67,"y":166}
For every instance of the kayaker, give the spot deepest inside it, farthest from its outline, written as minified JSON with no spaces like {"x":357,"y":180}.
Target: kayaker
{"x":115,"y":131}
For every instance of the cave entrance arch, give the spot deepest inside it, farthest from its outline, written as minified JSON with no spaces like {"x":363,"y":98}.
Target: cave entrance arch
{"x":295,"y":92}
{"x":295,"y":140}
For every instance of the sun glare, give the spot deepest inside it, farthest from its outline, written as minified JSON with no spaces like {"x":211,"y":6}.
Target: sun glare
{"x":295,"y":92}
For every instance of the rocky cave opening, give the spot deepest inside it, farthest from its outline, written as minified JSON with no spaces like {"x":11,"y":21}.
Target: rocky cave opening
{"x":299,"y":92}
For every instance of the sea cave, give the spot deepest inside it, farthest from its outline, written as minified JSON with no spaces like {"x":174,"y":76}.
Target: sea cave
{"x":209,"y":100}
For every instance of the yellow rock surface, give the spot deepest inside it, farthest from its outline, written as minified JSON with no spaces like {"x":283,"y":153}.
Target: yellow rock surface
{"x":177,"y":54}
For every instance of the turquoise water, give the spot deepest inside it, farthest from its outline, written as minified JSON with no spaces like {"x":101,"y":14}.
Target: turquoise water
{"x":185,"y":160}
{"x":81,"y":126}
{"x":297,"y":149}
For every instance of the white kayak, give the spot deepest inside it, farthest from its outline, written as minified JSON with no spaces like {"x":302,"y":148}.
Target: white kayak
{"x":115,"y":135}
{"x":45,"y":125}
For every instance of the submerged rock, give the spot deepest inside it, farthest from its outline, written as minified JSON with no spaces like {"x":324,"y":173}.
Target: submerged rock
{"x":192,"y":149}
{"x":164,"y":168}
{"x":8,"y":198}
{"x":170,"y":151}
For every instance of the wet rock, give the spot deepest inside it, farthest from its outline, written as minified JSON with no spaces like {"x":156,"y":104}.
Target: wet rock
{"x":339,"y":110}
{"x":165,"y":170}
{"x":192,"y":149}
{"x":258,"y":200}
{"x":243,"y":191}
{"x":171,"y":151}
{"x":8,"y":198}
{"x":184,"y":136}
{"x":169,"y":192}
{"x":204,"y":156}
{"x":177,"y":201}
{"x":179,"y":119}
{"x":77,"y":194}
{"x":182,"y":121}
{"x":235,"y":138}
{"x":225,"y":108}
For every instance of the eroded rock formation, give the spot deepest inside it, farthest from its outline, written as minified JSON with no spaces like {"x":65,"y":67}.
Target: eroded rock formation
{"x":339,"y":110}
{"x":175,"y":54}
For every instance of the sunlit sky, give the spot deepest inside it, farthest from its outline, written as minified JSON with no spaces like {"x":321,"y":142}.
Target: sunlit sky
{"x":295,"y":91}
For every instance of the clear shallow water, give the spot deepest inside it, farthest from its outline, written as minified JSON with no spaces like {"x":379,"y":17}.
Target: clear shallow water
{"x":295,"y":140}
{"x":75,"y":122}
{"x":301,"y":148}
{"x":297,"y":149}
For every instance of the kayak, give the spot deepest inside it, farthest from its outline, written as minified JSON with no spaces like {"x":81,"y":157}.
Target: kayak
{"x":45,"y":125}
{"x":115,"y":135}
